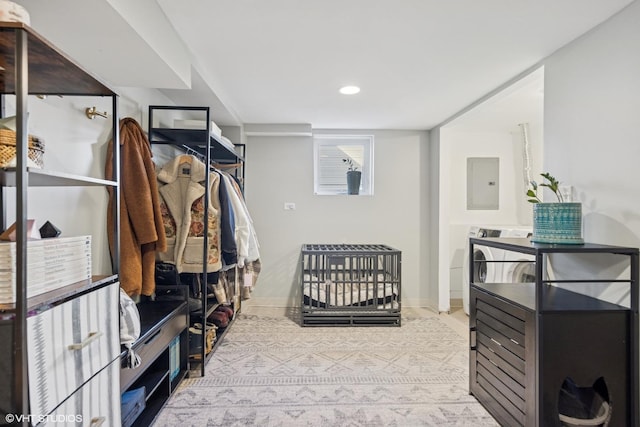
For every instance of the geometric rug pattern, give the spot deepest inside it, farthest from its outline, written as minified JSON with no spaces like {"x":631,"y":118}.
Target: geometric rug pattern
{"x":271,"y":372}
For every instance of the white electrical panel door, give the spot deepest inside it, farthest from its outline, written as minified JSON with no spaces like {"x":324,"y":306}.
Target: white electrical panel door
{"x":483,"y":174}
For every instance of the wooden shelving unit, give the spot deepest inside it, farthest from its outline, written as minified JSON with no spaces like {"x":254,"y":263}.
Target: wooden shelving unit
{"x":30,"y":65}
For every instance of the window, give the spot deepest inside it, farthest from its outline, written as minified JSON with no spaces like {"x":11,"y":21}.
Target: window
{"x":330,"y":169}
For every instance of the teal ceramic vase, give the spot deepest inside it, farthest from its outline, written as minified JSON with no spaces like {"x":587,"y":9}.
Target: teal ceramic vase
{"x":557,"y":223}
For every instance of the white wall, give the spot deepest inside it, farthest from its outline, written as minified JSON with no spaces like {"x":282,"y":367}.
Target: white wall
{"x":281,"y":171}
{"x":490,"y":127}
{"x":592,"y":131}
{"x":513,"y":207}
{"x":592,"y":108}
{"x":592,"y":134}
{"x":74,"y":144}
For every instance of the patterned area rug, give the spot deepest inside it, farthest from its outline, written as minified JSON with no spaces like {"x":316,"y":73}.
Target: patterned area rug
{"x":271,"y":372}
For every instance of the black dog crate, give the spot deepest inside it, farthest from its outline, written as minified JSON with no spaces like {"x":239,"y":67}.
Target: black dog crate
{"x":350,"y":284}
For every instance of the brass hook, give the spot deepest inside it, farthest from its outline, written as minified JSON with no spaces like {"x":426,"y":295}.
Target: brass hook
{"x":92,"y":112}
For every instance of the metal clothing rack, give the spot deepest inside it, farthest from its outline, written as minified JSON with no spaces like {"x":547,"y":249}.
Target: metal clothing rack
{"x":238,"y":166}
{"x":194,"y":152}
{"x":206,"y":148}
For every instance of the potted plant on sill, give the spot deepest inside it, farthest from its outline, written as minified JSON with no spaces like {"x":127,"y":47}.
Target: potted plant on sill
{"x":554,"y":222}
{"x":353,"y":177}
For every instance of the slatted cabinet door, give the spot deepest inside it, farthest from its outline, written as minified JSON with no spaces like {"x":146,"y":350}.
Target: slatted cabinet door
{"x":500,"y":340}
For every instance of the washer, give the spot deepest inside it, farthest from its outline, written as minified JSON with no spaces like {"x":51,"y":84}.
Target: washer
{"x":518,"y":267}
{"x":484,"y":272}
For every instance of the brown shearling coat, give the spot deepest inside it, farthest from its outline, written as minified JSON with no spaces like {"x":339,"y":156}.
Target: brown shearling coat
{"x":141,"y":227}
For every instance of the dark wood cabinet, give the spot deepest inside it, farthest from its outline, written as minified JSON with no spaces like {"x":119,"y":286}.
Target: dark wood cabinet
{"x":526,"y":339}
{"x":163,"y":350}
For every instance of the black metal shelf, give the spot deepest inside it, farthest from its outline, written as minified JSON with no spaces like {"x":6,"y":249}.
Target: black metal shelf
{"x":200,"y":140}
{"x":554,"y":299}
{"x":194,"y":138}
{"x":525,"y":246}
{"x":152,"y":381}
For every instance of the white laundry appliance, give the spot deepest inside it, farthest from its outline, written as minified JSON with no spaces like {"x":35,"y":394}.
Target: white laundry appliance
{"x":518,"y":267}
{"x":483,"y":272}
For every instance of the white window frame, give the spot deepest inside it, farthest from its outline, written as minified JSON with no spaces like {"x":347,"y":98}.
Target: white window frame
{"x":366,"y":184}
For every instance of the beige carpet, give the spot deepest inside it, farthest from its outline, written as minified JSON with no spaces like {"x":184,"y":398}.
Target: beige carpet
{"x":271,"y":372}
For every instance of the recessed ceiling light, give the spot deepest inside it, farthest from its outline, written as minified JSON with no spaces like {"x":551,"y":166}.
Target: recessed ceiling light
{"x":349,"y":90}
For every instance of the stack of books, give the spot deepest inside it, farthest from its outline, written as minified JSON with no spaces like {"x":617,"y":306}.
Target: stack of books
{"x":51,"y":264}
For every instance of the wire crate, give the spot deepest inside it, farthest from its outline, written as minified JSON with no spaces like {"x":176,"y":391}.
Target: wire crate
{"x":350,"y":285}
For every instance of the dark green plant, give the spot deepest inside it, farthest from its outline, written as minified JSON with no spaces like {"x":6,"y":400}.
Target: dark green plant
{"x":551,"y":183}
{"x":352,"y":166}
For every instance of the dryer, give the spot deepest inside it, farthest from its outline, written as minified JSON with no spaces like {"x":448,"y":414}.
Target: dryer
{"x":518,"y":267}
{"x":483,"y":272}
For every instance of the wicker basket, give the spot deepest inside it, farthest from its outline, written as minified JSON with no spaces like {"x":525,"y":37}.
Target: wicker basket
{"x":8,"y":148}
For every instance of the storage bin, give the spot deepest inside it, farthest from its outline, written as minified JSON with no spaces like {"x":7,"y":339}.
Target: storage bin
{"x":132,"y":405}
{"x":8,"y":149}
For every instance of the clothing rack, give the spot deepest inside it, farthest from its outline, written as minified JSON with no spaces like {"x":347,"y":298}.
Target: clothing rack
{"x":217,"y":165}
{"x":204,"y":146}
{"x":194,"y":152}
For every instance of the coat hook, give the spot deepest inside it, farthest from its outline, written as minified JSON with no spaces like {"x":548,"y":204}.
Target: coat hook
{"x":92,"y":112}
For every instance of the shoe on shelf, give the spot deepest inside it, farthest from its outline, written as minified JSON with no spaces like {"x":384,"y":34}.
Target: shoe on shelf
{"x":219,"y":318}
{"x":226,"y":309}
{"x":195,"y":306}
{"x":195,"y":339}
